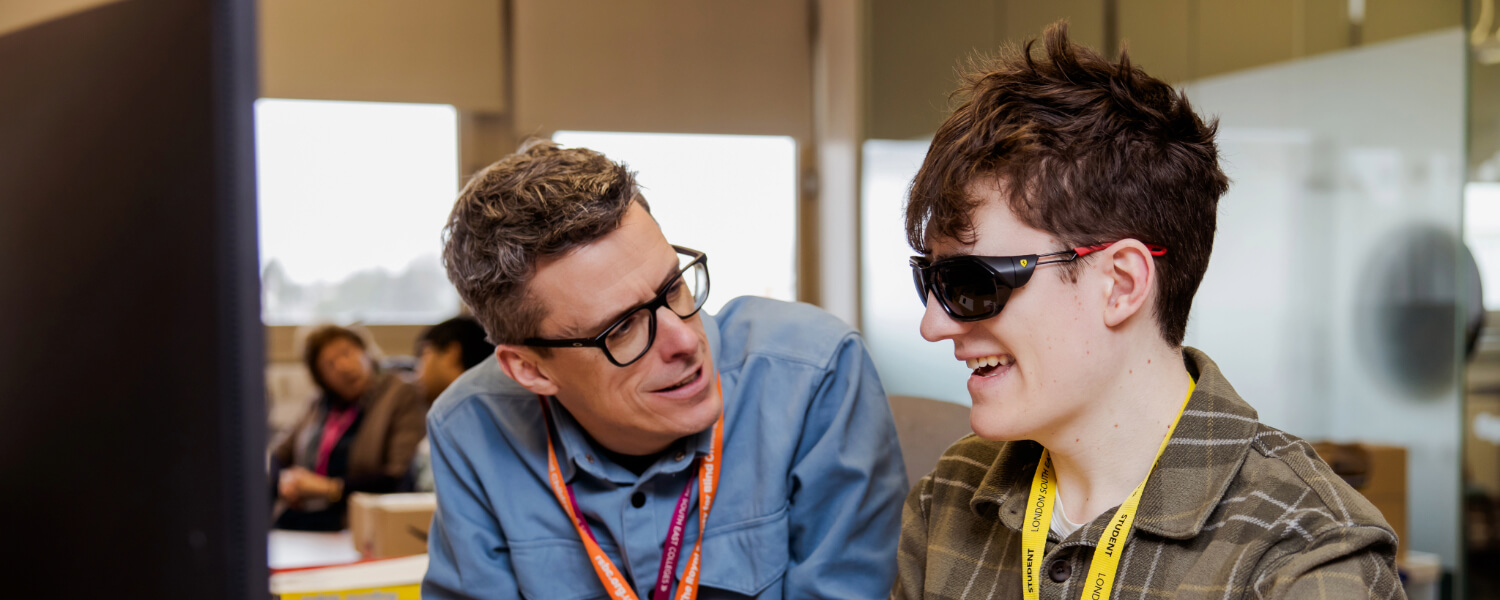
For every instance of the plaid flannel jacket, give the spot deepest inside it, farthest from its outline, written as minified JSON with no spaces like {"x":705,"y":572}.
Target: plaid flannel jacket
{"x":1235,"y":509}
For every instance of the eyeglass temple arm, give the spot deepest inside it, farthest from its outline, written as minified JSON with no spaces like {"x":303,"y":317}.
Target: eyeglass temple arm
{"x":569,"y":343}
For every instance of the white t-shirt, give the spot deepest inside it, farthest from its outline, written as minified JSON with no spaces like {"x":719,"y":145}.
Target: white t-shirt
{"x":1060,"y":523}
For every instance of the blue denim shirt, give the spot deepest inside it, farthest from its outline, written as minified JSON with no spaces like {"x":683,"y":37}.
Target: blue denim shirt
{"x":810,"y":496}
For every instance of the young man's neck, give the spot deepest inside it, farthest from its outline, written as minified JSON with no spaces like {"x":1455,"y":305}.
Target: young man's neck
{"x":1102,"y":454}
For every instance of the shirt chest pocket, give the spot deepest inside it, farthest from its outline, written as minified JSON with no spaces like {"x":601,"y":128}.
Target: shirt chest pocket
{"x":740,"y":560}
{"x":557,"y":569}
{"x":744,"y":559}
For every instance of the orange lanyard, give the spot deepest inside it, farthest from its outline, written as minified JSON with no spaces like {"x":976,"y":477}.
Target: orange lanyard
{"x":609,"y":575}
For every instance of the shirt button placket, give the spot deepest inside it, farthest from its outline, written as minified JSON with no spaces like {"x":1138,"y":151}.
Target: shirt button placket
{"x":1060,"y":570}
{"x":640,"y":534}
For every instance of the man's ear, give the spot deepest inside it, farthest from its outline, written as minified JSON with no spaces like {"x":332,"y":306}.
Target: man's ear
{"x":1130,"y":273}
{"x":523,"y":365}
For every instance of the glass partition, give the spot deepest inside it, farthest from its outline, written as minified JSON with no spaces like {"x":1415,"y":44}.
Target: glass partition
{"x":1331,"y":298}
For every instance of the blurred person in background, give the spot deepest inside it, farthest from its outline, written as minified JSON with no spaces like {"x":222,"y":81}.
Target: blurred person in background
{"x":358,"y":436}
{"x":625,"y":442}
{"x":444,"y":352}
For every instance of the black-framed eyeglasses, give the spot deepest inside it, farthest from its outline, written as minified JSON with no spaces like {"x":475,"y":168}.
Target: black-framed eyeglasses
{"x":629,"y":337}
{"x":975,"y":288}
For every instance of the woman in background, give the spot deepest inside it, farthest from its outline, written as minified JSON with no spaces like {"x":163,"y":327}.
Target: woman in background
{"x":359,"y":436}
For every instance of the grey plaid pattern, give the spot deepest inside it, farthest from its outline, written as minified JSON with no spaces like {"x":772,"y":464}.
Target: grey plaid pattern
{"x":1235,"y":509}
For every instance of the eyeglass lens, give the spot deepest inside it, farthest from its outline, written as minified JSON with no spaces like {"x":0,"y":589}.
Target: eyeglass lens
{"x":968,"y":290}
{"x":631,"y":338}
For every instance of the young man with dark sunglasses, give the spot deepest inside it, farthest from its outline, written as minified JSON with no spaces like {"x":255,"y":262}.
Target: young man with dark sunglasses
{"x":624,"y":443}
{"x":1065,"y":214}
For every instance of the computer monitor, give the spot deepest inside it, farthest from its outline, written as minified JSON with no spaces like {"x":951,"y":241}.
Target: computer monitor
{"x":131,"y":366}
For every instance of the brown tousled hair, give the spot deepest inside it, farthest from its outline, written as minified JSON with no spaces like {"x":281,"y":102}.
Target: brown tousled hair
{"x":1084,"y":149}
{"x":541,"y":201}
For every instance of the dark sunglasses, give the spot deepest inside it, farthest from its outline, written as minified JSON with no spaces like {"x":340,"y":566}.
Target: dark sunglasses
{"x":975,"y":288}
{"x":629,"y":337}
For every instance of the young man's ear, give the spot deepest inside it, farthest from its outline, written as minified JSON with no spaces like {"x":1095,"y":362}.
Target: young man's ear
{"x":1130,"y":273}
{"x":522,"y":364}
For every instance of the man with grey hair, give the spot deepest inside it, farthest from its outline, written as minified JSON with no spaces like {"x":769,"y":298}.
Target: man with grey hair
{"x":623,"y":443}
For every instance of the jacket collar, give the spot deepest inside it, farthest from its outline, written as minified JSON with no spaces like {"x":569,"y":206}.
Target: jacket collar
{"x":1207,"y":448}
{"x":379,"y":382}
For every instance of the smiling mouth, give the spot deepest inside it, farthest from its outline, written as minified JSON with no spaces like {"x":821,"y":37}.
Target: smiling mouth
{"x":985,"y":366}
{"x":692,"y":377}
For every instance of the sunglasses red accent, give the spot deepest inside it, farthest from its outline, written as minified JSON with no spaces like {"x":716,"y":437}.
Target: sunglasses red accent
{"x":1086,"y":250}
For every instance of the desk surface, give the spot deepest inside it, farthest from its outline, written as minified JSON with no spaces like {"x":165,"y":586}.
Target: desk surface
{"x":287,"y":549}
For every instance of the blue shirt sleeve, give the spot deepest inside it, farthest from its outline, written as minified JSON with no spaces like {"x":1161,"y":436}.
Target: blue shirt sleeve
{"x":467,"y":553}
{"x":848,"y":484}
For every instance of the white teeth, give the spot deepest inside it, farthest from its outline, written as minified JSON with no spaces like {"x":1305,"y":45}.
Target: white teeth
{"x":989,"y":361}
{"x":687,"y":380}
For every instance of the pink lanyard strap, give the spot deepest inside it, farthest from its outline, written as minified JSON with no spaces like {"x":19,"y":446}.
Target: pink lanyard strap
{"x":335,"y":425}
{"x":708,"y":482}
{"x":673,"y":547}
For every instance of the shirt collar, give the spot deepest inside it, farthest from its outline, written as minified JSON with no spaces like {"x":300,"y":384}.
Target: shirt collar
{"x":1207,"y":448}
{"x":577,"y":452}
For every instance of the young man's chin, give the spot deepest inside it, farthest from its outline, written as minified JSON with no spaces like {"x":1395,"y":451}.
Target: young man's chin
{"x":1000,"y":417}
{"x":995,"y":427}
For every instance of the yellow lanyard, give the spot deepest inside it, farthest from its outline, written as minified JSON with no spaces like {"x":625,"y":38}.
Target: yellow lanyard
{"x":1038,"y":522}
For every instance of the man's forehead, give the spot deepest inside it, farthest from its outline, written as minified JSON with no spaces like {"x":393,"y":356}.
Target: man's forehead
{"x":584,"y":296}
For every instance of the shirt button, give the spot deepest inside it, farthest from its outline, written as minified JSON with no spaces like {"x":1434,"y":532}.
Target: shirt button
{"x":590,"y":457}
{"x":1060,"y":571}
{"x":637,"y":499}
{"x":680,"y":456}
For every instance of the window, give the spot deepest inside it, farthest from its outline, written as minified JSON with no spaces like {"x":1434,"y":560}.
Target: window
{"x":732,"y":196}
{"x":908,"y":364}
{"x":353,"y":197}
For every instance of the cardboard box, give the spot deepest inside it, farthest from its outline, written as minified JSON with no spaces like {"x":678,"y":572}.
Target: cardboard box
{"x":388,"y":525}
{"x":1379,"y":473}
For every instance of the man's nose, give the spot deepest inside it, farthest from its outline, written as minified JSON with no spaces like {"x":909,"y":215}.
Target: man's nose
{"x":936,"y":324}
{"x":675,"y":337}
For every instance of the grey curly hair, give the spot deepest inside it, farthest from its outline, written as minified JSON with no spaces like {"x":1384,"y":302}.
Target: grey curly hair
{"x":541,"y":201}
